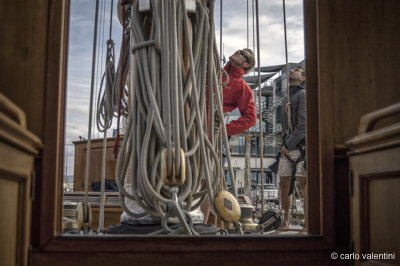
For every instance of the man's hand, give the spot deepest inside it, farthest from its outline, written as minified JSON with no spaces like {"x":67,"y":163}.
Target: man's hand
{"x":283,"y":150}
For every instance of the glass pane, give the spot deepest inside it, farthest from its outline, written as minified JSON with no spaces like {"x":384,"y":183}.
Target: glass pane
{"x":91,"y":154}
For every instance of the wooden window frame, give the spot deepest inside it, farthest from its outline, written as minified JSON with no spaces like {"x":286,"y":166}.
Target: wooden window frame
{"x":48,"y":242}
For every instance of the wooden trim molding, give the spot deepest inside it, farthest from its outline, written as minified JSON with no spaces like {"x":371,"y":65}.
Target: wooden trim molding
{"x":49,"y":245}
{"x":364,"y":201}
{"x":22,"y":183}
{"x":16,"y":205}
{"x":12,"y":111}
{"x":313,"y":159}
{"x":14,"y":133}
{"x":48,"y":201}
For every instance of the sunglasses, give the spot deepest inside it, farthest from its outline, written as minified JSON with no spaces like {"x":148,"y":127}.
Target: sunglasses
{"x":244,"y":55}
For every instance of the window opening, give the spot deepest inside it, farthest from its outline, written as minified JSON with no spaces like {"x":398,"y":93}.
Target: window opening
{"x":93,"y":159}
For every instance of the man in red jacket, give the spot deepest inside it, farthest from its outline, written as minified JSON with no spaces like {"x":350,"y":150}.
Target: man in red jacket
{"x":237,"y":93}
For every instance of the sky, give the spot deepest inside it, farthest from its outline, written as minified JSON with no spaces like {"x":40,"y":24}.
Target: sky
{"x":235,"y":23}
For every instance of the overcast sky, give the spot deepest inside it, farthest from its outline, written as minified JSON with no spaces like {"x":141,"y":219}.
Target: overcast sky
{"x":234,"y":37}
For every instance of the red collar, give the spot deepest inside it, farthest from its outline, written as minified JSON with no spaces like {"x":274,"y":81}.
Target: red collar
{"x":234,"y":71}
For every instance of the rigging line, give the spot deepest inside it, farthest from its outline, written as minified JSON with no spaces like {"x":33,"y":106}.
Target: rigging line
{"x":103,"y":165}
{"x":254,"y":49}
{"x":122,"y":59}
{"x":111,"y":17}
{"x":247,"y":13}
{"x":89,"y":139}
{"x":220,"y":32}
{"x":100,"y":54}
{"x":103,"y":180}
{"x":287,"y":107}
{"x":210,"y":69}
{"x":144,"y":188}
{"x":219,"y":98}
{"x":192,"y":76}
{"x":211,"y":97}
{"x":259,"y":109}
{"x":102,"y":36}
{"x":254,"y":41}
{"x":97,"y":72}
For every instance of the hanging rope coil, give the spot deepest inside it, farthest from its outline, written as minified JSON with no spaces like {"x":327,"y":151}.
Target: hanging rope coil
{"x":112,"y":100}
{"x":167,"y":113}
{"x":105,"y":103}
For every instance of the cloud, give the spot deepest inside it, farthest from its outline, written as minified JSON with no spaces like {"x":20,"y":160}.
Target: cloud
{"x":271,"y":29}
{"x":234,"y":36}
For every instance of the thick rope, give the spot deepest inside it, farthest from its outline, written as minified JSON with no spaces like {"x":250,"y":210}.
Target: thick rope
{"x":121,"y":81}
{"x":167,"y":109}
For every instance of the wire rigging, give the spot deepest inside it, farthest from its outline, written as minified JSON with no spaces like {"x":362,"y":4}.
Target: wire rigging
{"x":87,"y":169}
{"x":288,"y":105}
{"x":247,"y":23}
{"x":260,"y":107}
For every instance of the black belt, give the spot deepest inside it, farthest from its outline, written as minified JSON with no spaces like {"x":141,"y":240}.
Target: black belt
{"x":294,"y":163}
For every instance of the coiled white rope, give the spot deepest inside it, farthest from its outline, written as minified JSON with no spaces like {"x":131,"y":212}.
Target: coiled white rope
{"x":167,"y":111}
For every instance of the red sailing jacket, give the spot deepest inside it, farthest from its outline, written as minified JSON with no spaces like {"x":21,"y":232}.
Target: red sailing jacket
{"x":238,"y":94}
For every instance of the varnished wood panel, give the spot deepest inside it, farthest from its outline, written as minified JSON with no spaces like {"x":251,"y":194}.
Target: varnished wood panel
{"x":49,"y":166}
{"x":375,"y":172}
{"x":342,"y":200}
{"x":15,"y":209}
{"x":16,"y":167}
{"x":380,"y":215}
{"x":23,"y":28}
{"x":325,"y":116}
{"x":375,"y":213}
{"x":18,"y":148}
{"x":313,"y":184}
{"x":363,"y":65}
{"x":9,"y":233}
{"x":178,"y":258}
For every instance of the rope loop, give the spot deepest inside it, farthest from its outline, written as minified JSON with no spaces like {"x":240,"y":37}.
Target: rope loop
{"x":166,"y":112}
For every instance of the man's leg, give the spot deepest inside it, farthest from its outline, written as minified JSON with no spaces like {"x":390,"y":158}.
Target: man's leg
{"x":286,"y":201}
{"x":303,"y":192}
